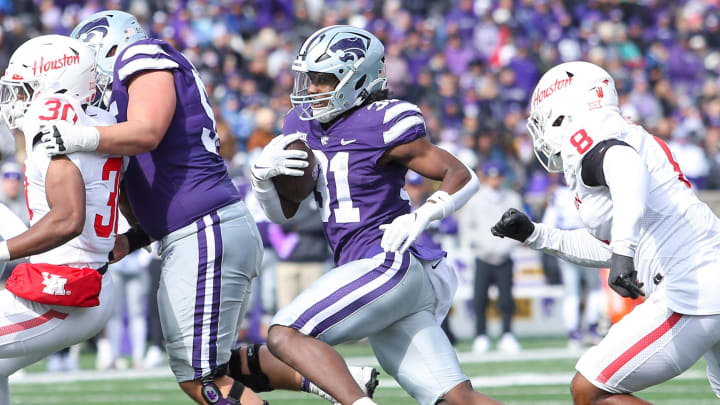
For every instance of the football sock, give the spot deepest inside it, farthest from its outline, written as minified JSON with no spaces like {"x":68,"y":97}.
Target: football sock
{"x":364,"y":401}
{"x":307,"y":386}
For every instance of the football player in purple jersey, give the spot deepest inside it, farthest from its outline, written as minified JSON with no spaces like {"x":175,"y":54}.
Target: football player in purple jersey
{"x":180,"y":193}
{"x":387,"y":285}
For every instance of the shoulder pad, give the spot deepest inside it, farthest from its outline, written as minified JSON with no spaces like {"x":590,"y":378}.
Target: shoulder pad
{"x":47,"y":109}
{"x":147,"y":54}
{"x":401,"y":121}
{"x":592,"y":163}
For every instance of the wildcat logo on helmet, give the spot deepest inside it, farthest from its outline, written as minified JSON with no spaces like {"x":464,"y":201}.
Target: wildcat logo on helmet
{"x":94,"y":31}
{"x":59,"y":63}
{"x":351,"y":48}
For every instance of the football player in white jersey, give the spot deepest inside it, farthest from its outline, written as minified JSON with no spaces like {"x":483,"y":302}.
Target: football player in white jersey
{"x":63,"y":296}
{"x":641,"y":220}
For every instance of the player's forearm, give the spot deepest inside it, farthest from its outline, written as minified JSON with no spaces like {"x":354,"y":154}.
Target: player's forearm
{"x":456,"y":177}
{"x":576,"y":246}
{"x":53,"y":230}
{"x":457,"y":186}
{"x":627,"y":178}
{"x":129,"y":138}
{"x":276,"y":210}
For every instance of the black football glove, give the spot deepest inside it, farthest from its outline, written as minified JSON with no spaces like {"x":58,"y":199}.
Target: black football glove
{"x":623,"y":277}
{"x":513,"y":224}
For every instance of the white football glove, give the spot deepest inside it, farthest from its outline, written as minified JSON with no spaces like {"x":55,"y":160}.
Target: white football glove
{"x":274,"y":160}
{"x":405,"y":228}
{"x":62,"y":137}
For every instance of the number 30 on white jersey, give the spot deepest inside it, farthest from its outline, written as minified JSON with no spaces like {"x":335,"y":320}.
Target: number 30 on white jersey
{"x":101,"y":175}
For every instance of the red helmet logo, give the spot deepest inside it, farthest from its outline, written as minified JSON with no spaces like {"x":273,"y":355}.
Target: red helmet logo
{"x":44,"y":66}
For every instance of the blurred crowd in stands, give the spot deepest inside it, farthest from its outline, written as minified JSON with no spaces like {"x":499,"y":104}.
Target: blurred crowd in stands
{"x":470,"y":64}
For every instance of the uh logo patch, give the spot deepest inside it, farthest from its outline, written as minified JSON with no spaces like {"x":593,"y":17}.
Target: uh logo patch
{"x":54,"y":284}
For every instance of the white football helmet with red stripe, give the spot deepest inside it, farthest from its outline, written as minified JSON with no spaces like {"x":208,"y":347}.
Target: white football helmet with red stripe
{"x":47,"y":64}
{"x":563,"y":95}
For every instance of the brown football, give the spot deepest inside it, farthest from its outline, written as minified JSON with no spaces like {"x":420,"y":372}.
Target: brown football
{"x":297,"y":188}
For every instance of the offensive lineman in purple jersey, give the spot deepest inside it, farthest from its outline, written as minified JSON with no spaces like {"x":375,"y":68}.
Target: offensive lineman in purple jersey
{"x":180,"y":193}
{"x":387,"y":286}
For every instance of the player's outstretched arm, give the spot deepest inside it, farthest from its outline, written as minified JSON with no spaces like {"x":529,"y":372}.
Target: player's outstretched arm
{"x":65,"y":193}
{"x":151,"y":107}
{"x":457,"y":184}
{"x":576,"y":246}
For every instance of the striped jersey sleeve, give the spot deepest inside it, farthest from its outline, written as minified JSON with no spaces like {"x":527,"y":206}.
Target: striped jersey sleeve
{"x":148,"y":54}
{"x":402,"y":123}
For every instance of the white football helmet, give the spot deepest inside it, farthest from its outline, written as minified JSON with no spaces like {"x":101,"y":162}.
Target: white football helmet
{"x":46,"y":64}
{"x":109,"y":32}
{"x":354,"y":56}
{"x":564,"y":94}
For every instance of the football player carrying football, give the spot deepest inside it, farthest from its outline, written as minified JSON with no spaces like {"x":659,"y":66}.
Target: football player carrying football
{"x":386,"y":285}
{"x":64,"y":295}
{"x":641,"y":220}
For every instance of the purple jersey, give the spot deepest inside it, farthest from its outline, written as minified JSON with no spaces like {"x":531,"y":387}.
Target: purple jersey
{"x":184,"y":178}
{"x":355,"y":193}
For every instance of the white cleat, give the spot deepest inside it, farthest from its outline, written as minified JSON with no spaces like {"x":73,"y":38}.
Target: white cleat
{"x":154,"y":357}
{"x":481,"y":345}
{"x":508,"y":344}
{"x":365,"y":377}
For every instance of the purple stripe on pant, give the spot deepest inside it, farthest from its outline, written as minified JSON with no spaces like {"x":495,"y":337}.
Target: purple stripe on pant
{"x":364,"y":300}
{"x":348,"y":289}
{"x":215,"y":316}
{"x":199,"y":298}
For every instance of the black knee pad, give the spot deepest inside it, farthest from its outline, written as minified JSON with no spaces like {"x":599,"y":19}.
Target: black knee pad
{"x":256,"y":380}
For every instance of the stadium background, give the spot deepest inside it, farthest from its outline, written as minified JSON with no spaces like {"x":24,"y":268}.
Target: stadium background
{"x":471,"y":66}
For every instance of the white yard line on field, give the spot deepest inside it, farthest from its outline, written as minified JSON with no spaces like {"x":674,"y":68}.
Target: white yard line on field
{"x":500,"y":380}
{"x":464,"y":357}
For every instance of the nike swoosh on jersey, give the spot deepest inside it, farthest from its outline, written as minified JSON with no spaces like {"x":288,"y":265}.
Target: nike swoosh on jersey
{"x":348,"y":142}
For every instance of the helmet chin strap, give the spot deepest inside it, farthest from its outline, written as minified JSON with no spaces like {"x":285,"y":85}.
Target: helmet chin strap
{"x":327,"y":114}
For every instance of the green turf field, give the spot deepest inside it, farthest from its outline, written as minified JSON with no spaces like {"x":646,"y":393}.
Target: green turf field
{"x":536,"y":379}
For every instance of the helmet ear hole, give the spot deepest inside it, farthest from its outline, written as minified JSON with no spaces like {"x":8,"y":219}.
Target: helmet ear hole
{"x":111,"y":52}
{"x":360,"y":82}
{"x":558,"y":121}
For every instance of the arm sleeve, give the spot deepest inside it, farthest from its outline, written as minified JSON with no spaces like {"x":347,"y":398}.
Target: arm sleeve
{"x":576,"y":246}
{"x":627,"y":178}
{"x":306,"y":220}
{"x":269,"y":200}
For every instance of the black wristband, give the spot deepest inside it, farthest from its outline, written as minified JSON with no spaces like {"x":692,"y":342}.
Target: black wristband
{"x":137,"y":238}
